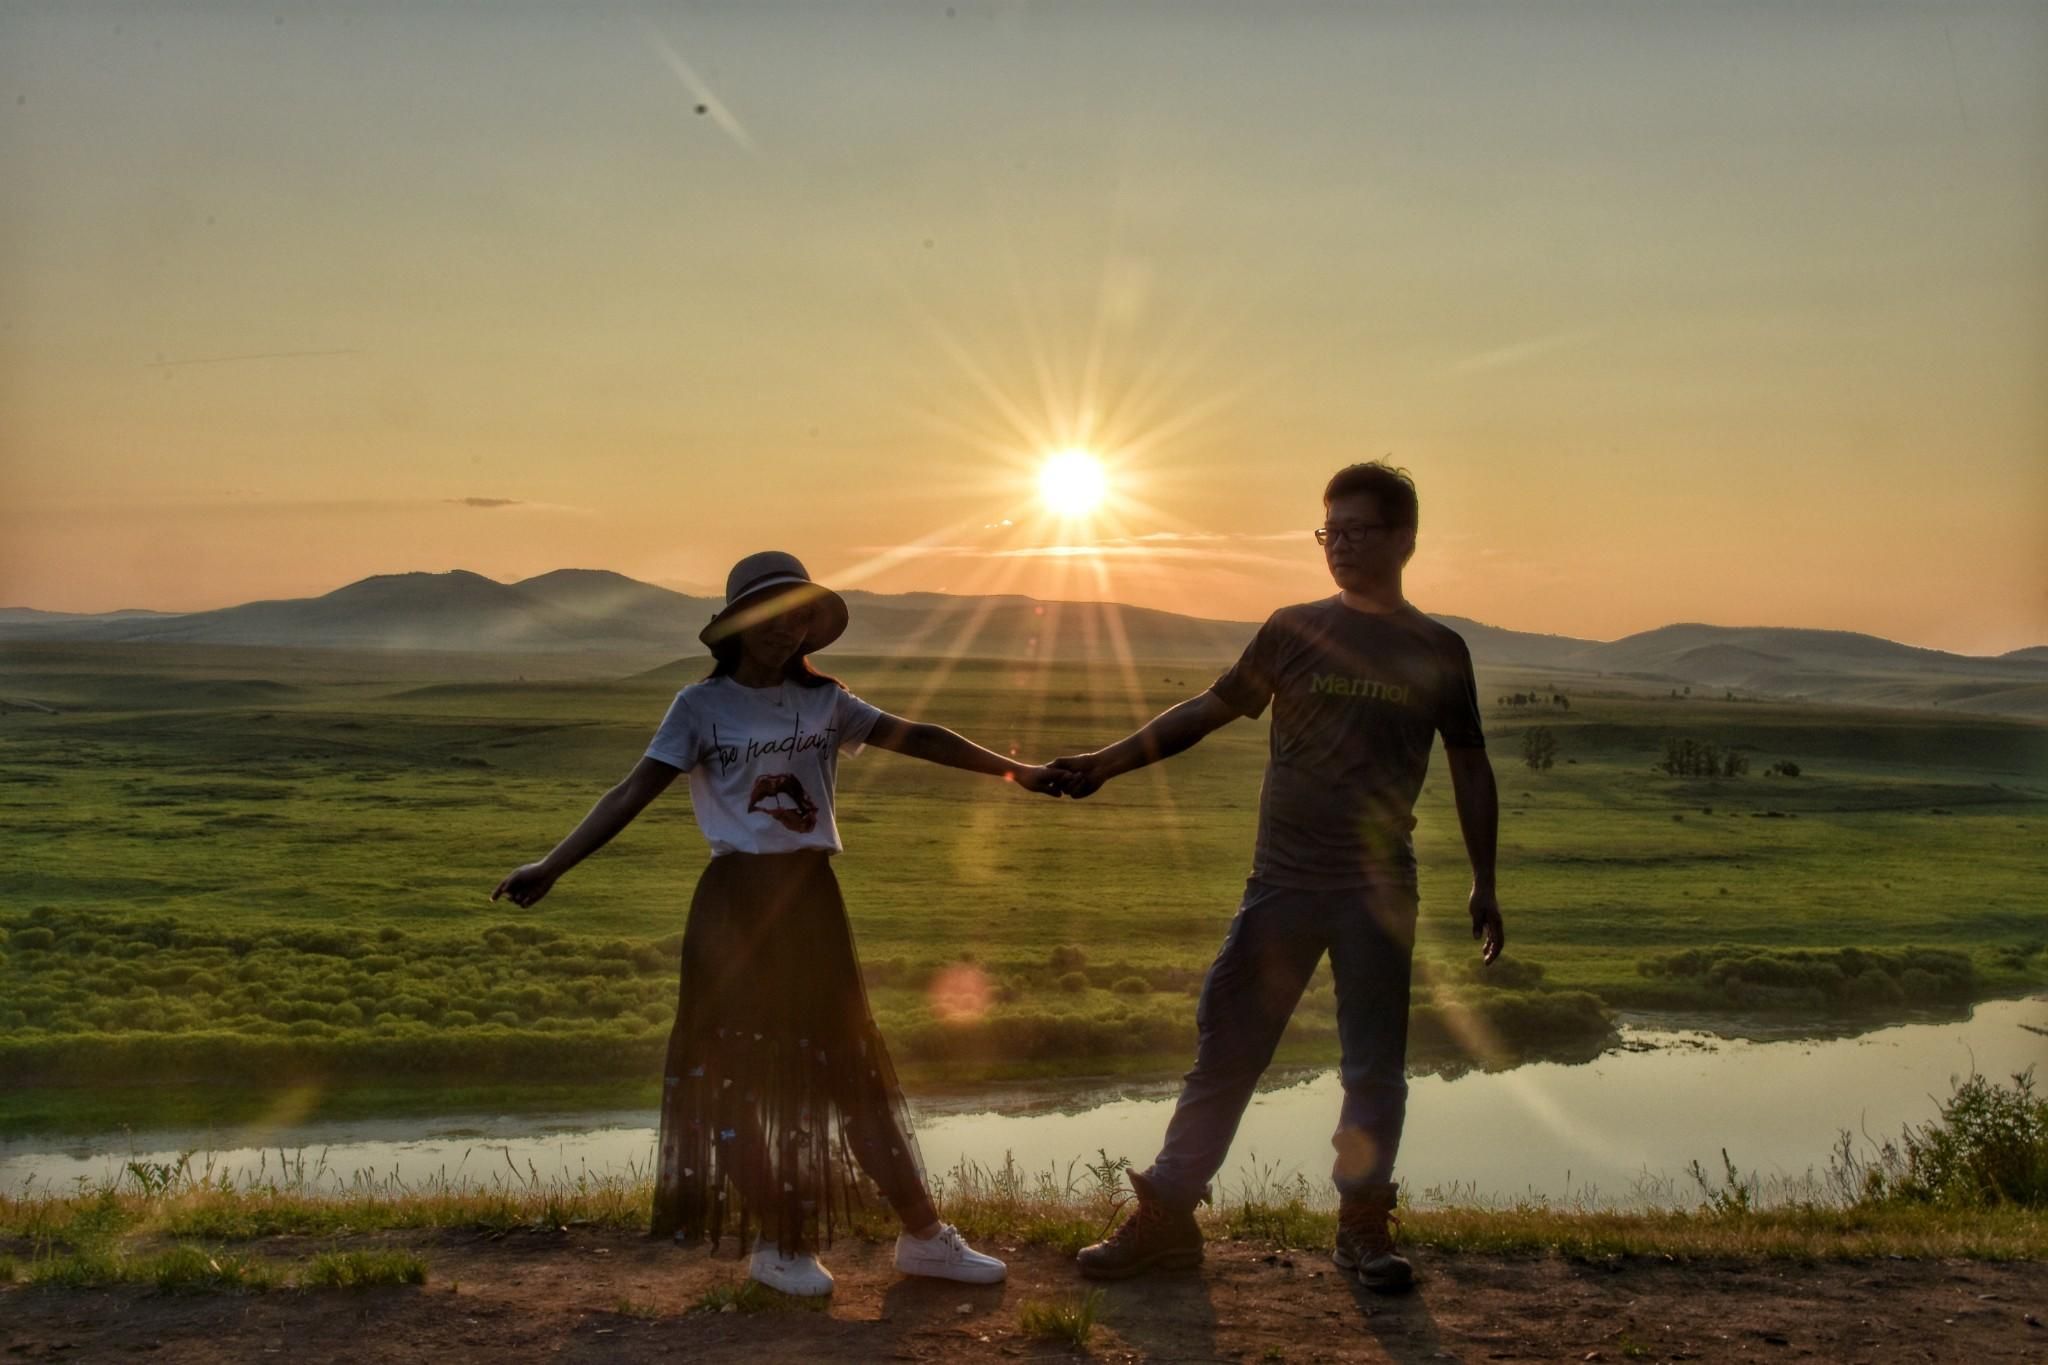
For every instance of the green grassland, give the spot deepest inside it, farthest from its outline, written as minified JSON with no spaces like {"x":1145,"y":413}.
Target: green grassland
{"x":273,"y":865}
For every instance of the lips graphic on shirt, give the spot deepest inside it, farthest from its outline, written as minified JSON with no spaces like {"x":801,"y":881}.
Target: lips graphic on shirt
{"x":783,"y":799}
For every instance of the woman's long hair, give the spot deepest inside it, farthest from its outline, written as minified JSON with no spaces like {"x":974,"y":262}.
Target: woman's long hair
{"x":725,"y":657}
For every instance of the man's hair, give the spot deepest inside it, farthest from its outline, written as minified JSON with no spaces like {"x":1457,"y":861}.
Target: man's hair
{"x":1387,"y":485}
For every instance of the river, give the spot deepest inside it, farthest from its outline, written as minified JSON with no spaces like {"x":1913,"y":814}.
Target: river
{"x":1619,"y":1131}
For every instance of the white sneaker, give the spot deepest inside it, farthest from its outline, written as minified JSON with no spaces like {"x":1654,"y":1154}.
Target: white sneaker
{"x":799,"y":1276}
{"x":945,"y":1255}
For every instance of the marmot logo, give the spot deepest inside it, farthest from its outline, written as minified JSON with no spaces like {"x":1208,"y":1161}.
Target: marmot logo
{"x":772,"y":789}
{"x":1337,"y":685}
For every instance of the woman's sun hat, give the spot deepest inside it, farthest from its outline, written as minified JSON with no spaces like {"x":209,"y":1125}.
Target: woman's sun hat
{"x":765,"y":585}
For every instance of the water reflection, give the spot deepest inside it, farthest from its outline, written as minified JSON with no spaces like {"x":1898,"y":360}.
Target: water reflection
{"x":1619,"y":1130}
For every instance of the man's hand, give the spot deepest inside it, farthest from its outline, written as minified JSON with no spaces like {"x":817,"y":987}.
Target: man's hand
{"x":526,"y":885}
{"x":1486,"y":926}
{"x":1043,"y":780}
{"x":1082,"y":775}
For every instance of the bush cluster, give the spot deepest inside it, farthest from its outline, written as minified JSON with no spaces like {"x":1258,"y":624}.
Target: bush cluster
{"x":90,"y":999}
{"x":77,"y":973}
{"x":1839,"y":979}
{"x":1696,"y":758}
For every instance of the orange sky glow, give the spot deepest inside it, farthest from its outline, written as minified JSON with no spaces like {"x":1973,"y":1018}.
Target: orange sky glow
{"x":1675,"y":313}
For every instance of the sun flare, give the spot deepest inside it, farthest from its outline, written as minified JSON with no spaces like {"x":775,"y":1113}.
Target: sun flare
{"x":1072,"y":483}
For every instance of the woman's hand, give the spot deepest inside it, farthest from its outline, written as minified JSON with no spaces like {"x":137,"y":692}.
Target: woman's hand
{"x":1042,"y":780}
{"x":1082,"y":775}
{"x":526,"y":885}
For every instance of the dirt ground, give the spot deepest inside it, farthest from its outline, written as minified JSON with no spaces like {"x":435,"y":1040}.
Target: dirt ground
{"x":596,"y":1296}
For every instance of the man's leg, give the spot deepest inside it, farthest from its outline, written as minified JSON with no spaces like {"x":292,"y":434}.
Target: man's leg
{"x":1266,"y":960}
{"x":1372,"y":948}
{"x":1251,"y":990}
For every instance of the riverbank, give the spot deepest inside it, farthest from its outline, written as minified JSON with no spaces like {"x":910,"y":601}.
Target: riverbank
{"x":1951,"y":1229}
{"x":1557,"y":1288}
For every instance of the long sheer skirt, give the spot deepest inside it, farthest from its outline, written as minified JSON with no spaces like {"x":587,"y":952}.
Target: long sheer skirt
{"x":776,"y":1084}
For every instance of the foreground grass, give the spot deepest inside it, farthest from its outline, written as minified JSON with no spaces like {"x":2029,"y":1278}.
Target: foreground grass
{"x":362,"y":1269}
{"x":78,"y":1240}
{"x":1067,"y":1321}
{"x":189,"y":1268}
{"x":751,"y":1296}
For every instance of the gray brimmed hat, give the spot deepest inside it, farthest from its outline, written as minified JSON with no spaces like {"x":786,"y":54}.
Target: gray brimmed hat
{"x":767,"y":584}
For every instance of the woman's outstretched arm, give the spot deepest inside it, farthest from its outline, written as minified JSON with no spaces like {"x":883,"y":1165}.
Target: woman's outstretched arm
{"x":613,"y":812}
{"x":937,"y":744}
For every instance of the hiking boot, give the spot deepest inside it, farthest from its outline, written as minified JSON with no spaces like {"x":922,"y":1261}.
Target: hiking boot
{"x":1365,"y":1240}
{"x":1156,"y":1234}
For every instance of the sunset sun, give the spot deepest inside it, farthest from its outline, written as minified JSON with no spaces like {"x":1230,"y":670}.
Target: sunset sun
{"x":1072,"y":483}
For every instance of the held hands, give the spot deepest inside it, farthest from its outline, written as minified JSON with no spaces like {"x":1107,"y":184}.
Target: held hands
{"x":1082,"y":775}
{"x":526,"y":885}
{"x":1077,"y":777}
{"x":1042,"y":780}
{"x":1487,"y":926}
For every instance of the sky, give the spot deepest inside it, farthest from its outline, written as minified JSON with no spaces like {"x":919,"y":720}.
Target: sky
{"x":1677,"y":312}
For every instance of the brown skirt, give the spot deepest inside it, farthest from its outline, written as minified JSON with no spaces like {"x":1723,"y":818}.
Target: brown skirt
{"x":776,"y":1085}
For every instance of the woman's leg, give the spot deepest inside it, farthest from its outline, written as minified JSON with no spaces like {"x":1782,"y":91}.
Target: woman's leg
{"x":876,"y":1123}
{"x":732,"y":1152}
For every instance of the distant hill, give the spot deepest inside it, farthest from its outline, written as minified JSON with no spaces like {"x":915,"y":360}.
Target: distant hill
{"x":1492,"y":644}
{"x":599,"y":612}
{"x":1661,"y":649}
{"x":447,"y":611}
{"x":30,"y":616}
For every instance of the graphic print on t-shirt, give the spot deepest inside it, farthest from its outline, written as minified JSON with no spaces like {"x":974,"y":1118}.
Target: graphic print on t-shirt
{"x":772,"y":790}
{"x":762,"y":761}
{"x":1372,"y":689}
{"x":731,"y":754}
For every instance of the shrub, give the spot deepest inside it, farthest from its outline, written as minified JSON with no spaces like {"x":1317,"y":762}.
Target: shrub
{"x":1988,"y":1147}
{"x":1067,"y":958}
{"x":1074,"y":982}
{"x":1132,"y":985}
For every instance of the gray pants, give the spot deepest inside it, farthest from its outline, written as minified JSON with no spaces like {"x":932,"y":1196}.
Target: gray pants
{"x":1274,"y":944}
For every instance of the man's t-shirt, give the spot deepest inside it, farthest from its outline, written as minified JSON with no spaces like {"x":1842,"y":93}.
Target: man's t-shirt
{"x":762,"y":760}
{"x":1358,"y":698}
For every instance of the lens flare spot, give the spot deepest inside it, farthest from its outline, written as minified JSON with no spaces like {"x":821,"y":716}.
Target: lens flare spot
{"x":960,"y":994}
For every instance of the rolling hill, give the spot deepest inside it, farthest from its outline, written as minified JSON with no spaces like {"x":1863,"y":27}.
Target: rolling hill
{"x":602,"y":613}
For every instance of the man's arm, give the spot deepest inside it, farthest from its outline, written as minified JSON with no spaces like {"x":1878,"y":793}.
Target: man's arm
{"x":1479,"y":818}
{"x":1166,"y":734}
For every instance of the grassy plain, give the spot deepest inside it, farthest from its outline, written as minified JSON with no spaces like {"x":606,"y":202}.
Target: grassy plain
{"x":265,"y":865}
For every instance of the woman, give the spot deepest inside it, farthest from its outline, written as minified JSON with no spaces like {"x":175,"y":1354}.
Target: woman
{"x":774,"y":1053}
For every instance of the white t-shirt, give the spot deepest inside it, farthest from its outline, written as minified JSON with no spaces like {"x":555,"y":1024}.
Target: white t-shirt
{"x":762,"y":760}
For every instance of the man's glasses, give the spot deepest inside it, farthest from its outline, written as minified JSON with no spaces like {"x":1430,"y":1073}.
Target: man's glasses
{"x":1344,"y":535}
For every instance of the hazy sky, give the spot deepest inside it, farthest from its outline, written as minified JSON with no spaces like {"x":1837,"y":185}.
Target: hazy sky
{"x":1677,"y":311}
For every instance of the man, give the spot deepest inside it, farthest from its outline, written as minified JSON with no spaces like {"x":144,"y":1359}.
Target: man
{"x":1361,"y":684}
